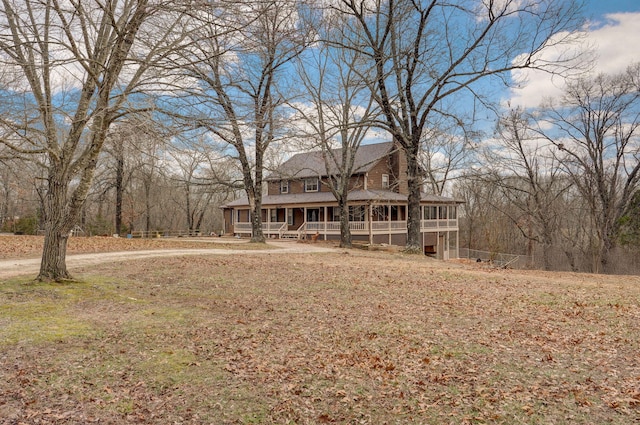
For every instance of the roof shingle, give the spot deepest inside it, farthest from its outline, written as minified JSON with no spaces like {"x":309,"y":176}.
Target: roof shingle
{"x":311,"y":164}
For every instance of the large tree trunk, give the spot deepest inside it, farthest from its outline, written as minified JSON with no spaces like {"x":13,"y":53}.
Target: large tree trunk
{"x":119,"y":191}
{"x":414,"y":240}
{"x":53,"y":265}
{"x":256,"y":221}
{"x":345,"y":231}
{"x":57,"y":226}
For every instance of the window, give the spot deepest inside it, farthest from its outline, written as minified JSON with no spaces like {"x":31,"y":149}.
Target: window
{"x":357,"y":213}
{"x":385,"y":181}
{"x":313,"y":214}
{"x":442,"y":213}
{"x":290,"y":216}
{"x":336,"y":214}
{"x":311,"y":185}
{"x":273,"y":215}
{"x":284,"y":186}
{"x":380,"y":213}
{"x":430,"y":213}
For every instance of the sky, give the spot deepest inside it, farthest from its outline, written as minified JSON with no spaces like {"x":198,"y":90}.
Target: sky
{"x":613,"y":30}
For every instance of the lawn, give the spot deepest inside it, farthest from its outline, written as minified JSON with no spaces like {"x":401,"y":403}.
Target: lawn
{"x":342,"y":338}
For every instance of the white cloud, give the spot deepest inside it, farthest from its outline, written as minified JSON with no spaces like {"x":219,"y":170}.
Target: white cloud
{"x":615,"y":43}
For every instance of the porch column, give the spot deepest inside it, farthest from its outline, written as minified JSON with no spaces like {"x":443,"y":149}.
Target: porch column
{"x":325,"y":222}
{"x":370,"y":219}
{"x":389,"y":220}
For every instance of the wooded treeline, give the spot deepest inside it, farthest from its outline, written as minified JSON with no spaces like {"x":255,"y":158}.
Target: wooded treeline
{"x":146,"y":115}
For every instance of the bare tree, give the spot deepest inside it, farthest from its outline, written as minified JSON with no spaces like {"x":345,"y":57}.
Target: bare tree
{"x":445,"y":155}
{"x":133,"y":145}
{"x":430,"y":55}
{"x":523,"y":168}
{"x":74,"y":65}
{"x":595,"y":132}
{"x":240,"y":79}
{"x":337,"y":110}
{"x":195,"y":194}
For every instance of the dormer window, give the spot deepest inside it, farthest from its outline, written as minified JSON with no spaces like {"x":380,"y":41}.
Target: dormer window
{"x":284,"y":186}
{"x":385,"y":181}
{"x":311,"y":184}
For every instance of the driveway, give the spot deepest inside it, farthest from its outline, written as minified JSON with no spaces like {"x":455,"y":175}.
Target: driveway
{"x":19,"y":267}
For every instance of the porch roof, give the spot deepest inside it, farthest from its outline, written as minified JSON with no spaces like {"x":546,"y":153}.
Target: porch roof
{"x":376,"y":196}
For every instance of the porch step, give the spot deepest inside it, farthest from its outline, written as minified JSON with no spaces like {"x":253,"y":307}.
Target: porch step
{"x":289,"y":235}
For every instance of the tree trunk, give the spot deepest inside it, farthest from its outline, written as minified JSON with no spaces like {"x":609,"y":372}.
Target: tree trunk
{"x":256,"y":222}
{"x":414,"y":242}
{"x":57,"y":227}
{"x":119,"y":191}
{"x":147,"y":205}
{"x":345,"y":231}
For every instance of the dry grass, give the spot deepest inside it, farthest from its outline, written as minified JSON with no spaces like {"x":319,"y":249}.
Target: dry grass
{"x":345,"y":338}
{"x":12,"y":246}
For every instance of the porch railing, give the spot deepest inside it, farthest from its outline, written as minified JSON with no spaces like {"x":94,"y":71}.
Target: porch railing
{"x":270,"y":227}
{"x":438,"y":224}
{"x":356,"y":226}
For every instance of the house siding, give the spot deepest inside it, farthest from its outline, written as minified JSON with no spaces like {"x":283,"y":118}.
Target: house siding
{"x":399,"y":170}
{"x":374,"y":177}
{"x":296,"y":186}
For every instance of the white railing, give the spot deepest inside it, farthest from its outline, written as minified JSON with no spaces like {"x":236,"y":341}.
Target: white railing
{"x":333,"y":226}
{"x":438,"y":224}
{"x":356,"y":226}
{"x":243,"y":227}
{"x":389,"y":225}
{"x":314,"y":226}
{"x":272,"y":226}
{"x":282,"y":229}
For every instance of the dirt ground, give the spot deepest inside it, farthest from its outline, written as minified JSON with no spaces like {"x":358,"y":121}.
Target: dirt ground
{"x":340,"y":337}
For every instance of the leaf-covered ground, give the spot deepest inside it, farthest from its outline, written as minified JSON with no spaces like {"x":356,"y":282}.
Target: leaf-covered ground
{"x":343,"y":338}
{"x":13,"y":246}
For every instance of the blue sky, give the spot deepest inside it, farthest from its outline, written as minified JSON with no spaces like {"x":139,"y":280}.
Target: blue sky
{"x":597,"y":8}
{"x":612,"y":31}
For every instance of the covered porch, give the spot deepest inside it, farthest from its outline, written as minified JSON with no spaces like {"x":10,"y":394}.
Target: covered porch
{"x":372,"y":220}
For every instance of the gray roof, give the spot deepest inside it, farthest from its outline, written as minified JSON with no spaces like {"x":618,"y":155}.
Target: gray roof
{"x":311,"y":164}
{"x":326,"y":197}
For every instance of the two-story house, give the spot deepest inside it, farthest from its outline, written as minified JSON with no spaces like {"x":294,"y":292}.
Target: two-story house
{"x":299,"y":203}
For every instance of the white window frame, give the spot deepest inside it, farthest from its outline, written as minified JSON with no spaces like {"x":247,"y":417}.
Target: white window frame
{"x":290,"y":216}
{"x":385,"y":181}
{"x":310,"y":183}
{"x":284,"y":186}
